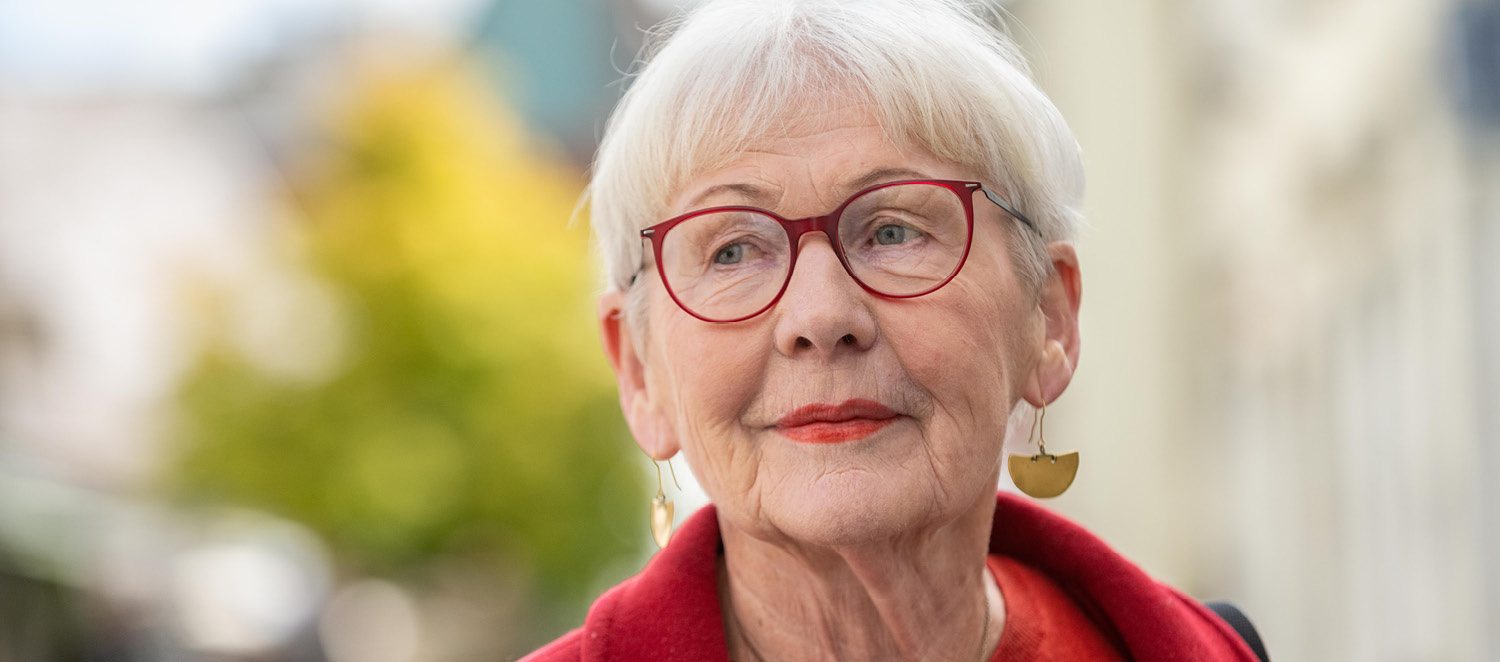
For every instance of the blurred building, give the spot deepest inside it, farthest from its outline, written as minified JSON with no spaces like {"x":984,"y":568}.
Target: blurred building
{"x":136,"y":170}
{"x":1289,"y":327}
{"x":106,"y":201}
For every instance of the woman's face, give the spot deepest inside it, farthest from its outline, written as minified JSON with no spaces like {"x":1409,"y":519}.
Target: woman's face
{"x":929,"y":382}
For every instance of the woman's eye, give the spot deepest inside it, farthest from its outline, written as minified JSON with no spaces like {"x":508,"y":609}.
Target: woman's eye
{"x":730,"y":254}
{"x":890,"y":235}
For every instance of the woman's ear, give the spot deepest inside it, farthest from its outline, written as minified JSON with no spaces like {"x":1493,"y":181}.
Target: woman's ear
{"x":637,"y":399}
{"x":1059,"y":300}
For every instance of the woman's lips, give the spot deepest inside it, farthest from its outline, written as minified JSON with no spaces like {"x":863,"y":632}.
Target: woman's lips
{"x":831,"y":424}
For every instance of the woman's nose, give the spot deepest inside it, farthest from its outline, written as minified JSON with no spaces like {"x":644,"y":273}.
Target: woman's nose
{"x":824,"y":311}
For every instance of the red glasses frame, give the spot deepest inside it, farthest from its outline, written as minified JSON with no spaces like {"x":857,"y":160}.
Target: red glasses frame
{"x":828,"y":224}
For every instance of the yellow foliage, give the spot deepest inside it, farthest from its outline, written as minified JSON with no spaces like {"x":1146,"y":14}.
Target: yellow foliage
{"x":475,"y":407}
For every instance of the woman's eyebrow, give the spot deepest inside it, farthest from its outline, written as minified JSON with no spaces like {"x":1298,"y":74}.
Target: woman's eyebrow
{"x":762,"y":196}
{"x":878,"y":176}
{"x":755,"y":194}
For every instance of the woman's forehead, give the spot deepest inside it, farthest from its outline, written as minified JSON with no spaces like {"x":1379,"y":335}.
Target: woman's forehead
{"x":747,"y":186}
{"x":836,"y":149}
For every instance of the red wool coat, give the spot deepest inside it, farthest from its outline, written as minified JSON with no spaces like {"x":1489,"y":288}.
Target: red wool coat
{"x":670,"y":611}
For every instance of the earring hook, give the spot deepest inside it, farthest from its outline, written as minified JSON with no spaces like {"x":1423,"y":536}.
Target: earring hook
{"x":1038,"y":419}
{"x":670,"y":468}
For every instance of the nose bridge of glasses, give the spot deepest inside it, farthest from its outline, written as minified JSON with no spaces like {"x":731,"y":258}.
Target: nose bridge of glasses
{"x":827,"y":224}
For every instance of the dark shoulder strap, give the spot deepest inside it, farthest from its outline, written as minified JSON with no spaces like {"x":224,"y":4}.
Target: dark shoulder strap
{"x":1237,"y":620}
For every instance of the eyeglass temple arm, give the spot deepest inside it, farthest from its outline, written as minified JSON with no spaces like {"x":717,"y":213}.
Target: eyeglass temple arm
{"x":645,"y":234}
{"x":1010,"y":210}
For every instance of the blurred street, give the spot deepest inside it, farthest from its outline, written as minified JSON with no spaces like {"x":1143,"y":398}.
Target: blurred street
{"x":298,"y":358}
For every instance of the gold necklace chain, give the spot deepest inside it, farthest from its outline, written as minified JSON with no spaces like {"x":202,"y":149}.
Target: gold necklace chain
{"x":984,"y":632}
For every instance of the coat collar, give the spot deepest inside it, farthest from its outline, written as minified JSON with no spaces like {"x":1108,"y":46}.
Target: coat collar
{"x":670,"y":611}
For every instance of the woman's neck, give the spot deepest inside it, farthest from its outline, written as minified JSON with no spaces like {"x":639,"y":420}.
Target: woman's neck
{"x":927,"y":596}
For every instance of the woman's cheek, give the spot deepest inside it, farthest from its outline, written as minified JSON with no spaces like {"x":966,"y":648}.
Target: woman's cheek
{"x":712,"y":379}
{"x":964,"y":364}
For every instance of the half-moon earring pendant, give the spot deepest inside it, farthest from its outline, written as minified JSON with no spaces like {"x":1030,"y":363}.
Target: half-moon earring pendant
{"x":1043,"y":475}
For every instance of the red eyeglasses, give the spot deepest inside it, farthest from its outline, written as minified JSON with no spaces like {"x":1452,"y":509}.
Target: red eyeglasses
{"x":899,"y":240}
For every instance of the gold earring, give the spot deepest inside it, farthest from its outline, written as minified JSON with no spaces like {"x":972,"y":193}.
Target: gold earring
{"x":1043,"y":476}
{"x":661,"y":509}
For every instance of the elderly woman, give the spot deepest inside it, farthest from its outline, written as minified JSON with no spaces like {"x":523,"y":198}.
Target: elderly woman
{"x":837,"y":238}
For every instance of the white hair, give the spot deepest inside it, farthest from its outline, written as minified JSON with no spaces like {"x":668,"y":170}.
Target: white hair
{"x":939,"y":74}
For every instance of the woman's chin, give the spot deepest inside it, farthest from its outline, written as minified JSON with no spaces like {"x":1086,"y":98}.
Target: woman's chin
{"x":850,"y":508}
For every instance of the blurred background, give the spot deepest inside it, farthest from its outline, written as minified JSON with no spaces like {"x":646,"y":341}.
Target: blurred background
{"x":298,"y":360}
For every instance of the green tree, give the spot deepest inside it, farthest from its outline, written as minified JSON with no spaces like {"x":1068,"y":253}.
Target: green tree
{"x":472,"y":412}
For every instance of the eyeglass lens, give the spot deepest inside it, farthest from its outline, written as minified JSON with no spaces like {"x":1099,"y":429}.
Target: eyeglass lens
{"x":897,"y":240}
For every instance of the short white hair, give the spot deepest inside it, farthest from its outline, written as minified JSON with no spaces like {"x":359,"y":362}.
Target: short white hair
{"x":941,"y":74}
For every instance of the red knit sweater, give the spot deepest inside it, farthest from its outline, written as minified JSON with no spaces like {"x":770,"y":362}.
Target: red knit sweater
{"x":670,"y":611}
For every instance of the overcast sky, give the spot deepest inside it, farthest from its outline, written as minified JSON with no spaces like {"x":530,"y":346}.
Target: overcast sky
{"x":181,"y":45}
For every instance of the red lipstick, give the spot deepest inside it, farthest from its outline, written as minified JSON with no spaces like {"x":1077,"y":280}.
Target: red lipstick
{"x":831,"y":424}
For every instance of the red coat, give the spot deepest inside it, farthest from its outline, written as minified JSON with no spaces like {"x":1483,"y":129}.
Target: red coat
{"x":670,"y":611}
